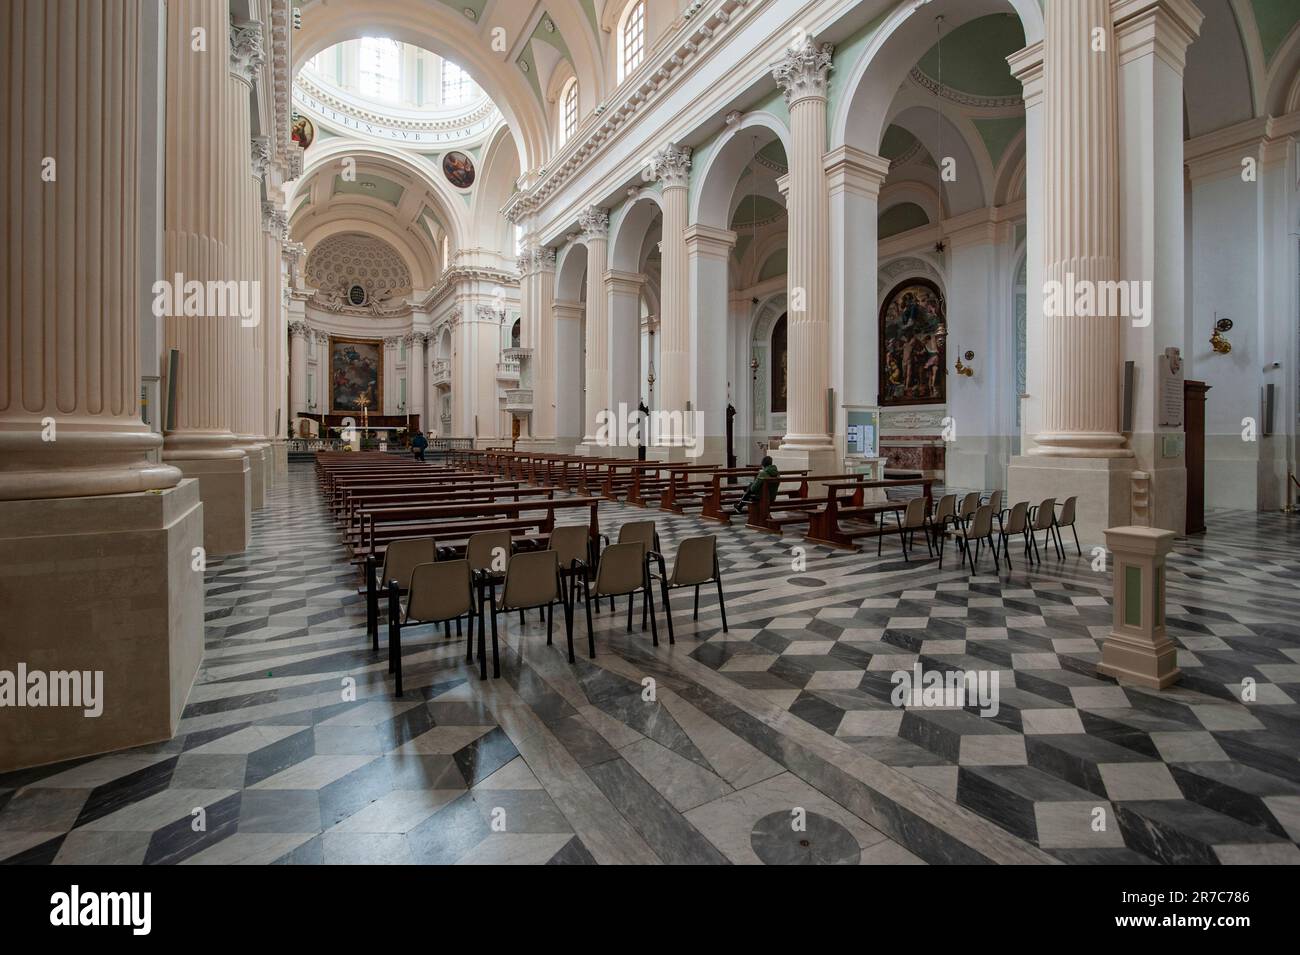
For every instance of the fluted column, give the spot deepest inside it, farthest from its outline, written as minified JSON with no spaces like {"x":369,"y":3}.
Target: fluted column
{"x":69,"y":363}
{"x":197,"y":209}
{"x":595,"y":233}
{"x":541,"y":298}
{"x":1081,"y":353}
{"x":274,"y":324}
{"x":672,"y":166}
{"x":392,"y":350}
{"x":299,"y":333}
{"x":415,"y":376}
{"x":803,"y":75}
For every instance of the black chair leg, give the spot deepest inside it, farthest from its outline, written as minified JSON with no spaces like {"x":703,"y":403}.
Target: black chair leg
{"x":446,"y":629}
{"x":668,"y":610}
{"x":550,"y":622}
{"x":697,"y":603}
{"x":630,"y":598}
{"x":496,"y":653}
{"x":997,"y":568}
{"x":482,"y":644}
{"x":1076,"y":540}
{"x":591,"y":635}
{"x":372,"y":604}
{"x":722,"y":606}
{"x":654,"y":627}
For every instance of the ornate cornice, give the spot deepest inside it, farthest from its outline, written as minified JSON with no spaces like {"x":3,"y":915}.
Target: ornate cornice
{"x":973,"y":100}
{"x":246,"y":54}
{"x":335,"y":107}
{"x":594,"y":223}
{"x":282,"y":80}
{"x":679,"y":52}
{"x":804,"y":70}
{"x":672,"y":166}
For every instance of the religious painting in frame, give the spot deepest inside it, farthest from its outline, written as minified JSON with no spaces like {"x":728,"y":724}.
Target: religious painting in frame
{"x":912,"y":357}
{"x":356,"y":373}
{"x":459,"y":169}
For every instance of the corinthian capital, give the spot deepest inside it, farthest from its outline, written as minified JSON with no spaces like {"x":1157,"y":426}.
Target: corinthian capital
{"x":672,"y":165}
{"x":594,"y":223}
{"x":804,"y":70}
{"x":544,"y":259}
{"x":260,"y":154}
{"x":246,"y":54}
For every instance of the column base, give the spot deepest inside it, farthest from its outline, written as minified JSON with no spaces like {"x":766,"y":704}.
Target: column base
{"x":1133,"y":660}
{"x":224,"y":487}
{"x":257,"y":463}
{"x":280,"y":452}
{"x":1103,"y":486}
{"x":105,"y":585}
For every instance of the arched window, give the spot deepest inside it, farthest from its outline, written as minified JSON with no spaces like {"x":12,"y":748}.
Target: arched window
{"x":568,"y":110}
{"x":457,"y":87}
{"x":379,"y":64}
{"x":631,"y":39}
{"x":514,"y":334}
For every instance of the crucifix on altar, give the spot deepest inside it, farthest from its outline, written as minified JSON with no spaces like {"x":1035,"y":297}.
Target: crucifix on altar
{"x":364,"y":404}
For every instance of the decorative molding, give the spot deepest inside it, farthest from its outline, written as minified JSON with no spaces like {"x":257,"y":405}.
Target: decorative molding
{"x":300,"y":330}
{"x":672,"y":166}
{"x":347,"y":259}
{"x":246,"y":54}
{"x":260,"y":155}
{"x":392,"y":341}
{"x":804,"y":70}
{"x":972,"y":100}
{"x":693,"y":40}
{"x":275,"y":221}
{"x":282,"y":80}
{"x":544,"y":259}
{"x":594,"y":224}
{"x":486,"y":313}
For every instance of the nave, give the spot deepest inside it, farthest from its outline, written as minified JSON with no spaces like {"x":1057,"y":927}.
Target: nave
{"x":790,"y":708}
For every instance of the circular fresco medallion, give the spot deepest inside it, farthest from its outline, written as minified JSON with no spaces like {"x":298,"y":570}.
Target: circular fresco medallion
{"x":459,"y":169}
{"x":303,"y":131}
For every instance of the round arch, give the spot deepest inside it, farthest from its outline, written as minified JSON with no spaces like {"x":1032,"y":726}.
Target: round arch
{"x":627,"y":234}
{"x":874,"y":78}
{"x":720,"y":172}
{"x":421,"y":268}
{"x":571,"y":272}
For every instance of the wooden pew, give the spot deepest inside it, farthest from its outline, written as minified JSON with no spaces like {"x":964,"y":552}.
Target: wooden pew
{"x":845,"y":501}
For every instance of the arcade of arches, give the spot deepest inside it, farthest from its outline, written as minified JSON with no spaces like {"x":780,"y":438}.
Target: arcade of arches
{"x":988,"y":244}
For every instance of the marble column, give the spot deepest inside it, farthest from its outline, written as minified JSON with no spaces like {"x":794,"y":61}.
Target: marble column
{"x":543,"y":344}
{"x":392,"y":352}
{"x":415,"y":376}
{"x":96,"y":536}
{"x":570,"y":372}
{"x":274,"y":331}
{"x":708,"y":261}
{"x":1079,"y":449}
{"x":803,"y":75}
{"x":1152,"y":37}
{"x":197,"y":248}
{"x":672,"y":167}
{"x":854,"y":178}
{"x":623,"y":302}
{"x":299,"y":333}
{"x":247,"y":157}
{"x":594,"y":224}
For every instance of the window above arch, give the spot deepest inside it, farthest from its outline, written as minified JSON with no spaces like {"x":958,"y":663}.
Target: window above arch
{"x":631,"y":39}
{"x":568,"y":110}
{"x":457,"y":86}
{"x":379,"y":68}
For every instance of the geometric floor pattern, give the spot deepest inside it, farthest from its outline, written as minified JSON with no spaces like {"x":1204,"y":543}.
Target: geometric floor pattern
{"x":774,"y":743}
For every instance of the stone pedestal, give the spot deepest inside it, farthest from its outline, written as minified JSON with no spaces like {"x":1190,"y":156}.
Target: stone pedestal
{"x":1137,"y":650}
{"x":224,"y":484}
{"x":101,"y":584}
{"x":1103,"y":486}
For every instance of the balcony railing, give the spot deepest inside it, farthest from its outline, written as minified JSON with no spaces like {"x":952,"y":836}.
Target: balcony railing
{"x":519,"y":401}
{"x":508,"y":370}
{"x":442,"y":371}
{"x":515,"y":354}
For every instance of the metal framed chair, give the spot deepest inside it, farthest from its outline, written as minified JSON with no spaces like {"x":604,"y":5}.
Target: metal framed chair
{"x":912,"y":520}
{"x":1017,"y":522}
{"x":1043,"y":518}
{"x":645,"y":533}
{"x":622,"y":571}
{"x":978,"y":530}
{"x":532,"y":582}
{"x":1066,"y":519}
{"x":696,"y":563}
{"x":572,"y":543}
{"x":488,"y":553}
{"x":438,"y":593}
{"x":966,"y":511}
{"x":400,"y":559}
{"x":945,"y":513}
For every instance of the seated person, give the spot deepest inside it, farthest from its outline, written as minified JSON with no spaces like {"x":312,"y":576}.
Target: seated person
{"x":767,"y":470}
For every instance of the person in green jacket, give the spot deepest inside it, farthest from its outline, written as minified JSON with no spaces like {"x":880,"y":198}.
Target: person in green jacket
{"x":766,"y":470}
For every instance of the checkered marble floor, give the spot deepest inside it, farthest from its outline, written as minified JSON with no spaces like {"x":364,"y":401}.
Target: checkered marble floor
{"x":776,"y":742}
